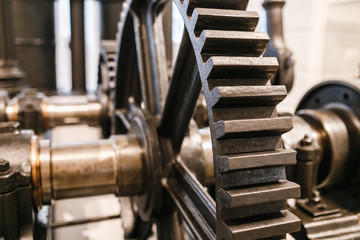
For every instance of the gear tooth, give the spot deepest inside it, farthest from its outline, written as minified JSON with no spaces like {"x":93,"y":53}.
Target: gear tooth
{"x":258,"y":159}
{"x":241,"y":68}
{"x":246,"y":96}
{"x":261,"y":227}
{"x":248,"y":145}
{"x":270,"y":192}
{"x":242,"y":178}
{"x":223,"y":19}
{"x":231,"y":113}
{"x":252,"y":127}
{"x":232,"y":43}
{"x":230,"y":4}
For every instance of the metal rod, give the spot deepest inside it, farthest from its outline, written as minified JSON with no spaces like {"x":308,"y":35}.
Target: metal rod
{"x":78,"y":45}
{"x":83,"y":221}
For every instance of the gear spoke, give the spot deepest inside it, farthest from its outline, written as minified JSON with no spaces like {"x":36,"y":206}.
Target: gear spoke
{"x":182,"y":96}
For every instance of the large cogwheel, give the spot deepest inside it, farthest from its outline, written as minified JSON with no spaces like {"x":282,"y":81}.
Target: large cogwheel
{"x":249,"y":159}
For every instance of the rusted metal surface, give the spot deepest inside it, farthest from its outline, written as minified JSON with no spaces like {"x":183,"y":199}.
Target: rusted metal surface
{"x":34,"y":110}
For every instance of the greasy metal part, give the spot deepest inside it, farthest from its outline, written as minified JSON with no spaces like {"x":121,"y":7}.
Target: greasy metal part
{"x":77,"y":45}
{"x":308,"y":159}
{"x":329,"y":116}
{"x":196,"y":154}
{"x":334,"y":142}
{"x":74,"y":169}
{"x":15,"y":190}
{"x":36,"y":111}
{"x":10,"y":73}
{"x":277,"y":46}
{"x":35,"y":41}
{"x":126,"y":165}
{"x":341,"y":99}
{"x":110,"y":10}
{"x":72,"y":110}
{"x":63,"y":171}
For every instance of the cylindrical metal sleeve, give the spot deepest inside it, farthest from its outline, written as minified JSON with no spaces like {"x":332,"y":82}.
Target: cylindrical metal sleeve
{"x":45,"y":171}
{"x":74,"y":110}
{"x":76,"y":170}
{"x":130,"y":167}
{"x":35,"y":41}
{"x":335,"y":143}
{"x":86,"y":169}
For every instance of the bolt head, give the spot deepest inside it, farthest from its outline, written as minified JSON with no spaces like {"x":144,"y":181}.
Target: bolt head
{"x":306,"y":141}
{"x":4,"y":166}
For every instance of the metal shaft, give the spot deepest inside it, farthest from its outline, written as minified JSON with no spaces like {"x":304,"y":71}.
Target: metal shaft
{"x":56,"y":110}
{"x":71,"y":110}
{"x":107,"y":166}
{"x":78,"y":45}
{"x":8,"y":62}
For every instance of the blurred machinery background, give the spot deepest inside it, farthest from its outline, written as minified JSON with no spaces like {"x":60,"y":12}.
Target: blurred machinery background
{"x":115,"y":124}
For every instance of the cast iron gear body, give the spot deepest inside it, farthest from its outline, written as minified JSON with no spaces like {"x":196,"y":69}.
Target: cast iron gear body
{"x":249,"y":158}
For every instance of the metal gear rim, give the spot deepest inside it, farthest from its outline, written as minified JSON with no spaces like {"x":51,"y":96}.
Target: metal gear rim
{"x":213,"y":97}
